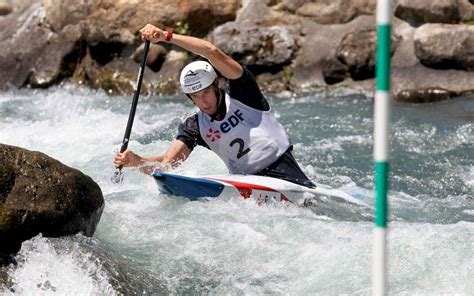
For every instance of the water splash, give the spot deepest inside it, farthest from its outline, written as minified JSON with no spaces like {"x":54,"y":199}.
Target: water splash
{"x":151,"y":243}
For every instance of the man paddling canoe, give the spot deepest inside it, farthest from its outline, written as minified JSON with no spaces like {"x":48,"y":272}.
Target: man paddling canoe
{"x":234,"y":118}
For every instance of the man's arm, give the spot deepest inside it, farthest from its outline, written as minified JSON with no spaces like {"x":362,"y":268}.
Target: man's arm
{"x":173,"y":156}
{"x":226,"y":65}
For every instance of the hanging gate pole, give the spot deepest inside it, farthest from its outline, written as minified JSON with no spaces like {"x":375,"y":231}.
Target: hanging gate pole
{"x":381,"y":155}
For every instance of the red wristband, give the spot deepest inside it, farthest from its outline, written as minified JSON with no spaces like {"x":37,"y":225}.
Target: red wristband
{"x":169,"y":34}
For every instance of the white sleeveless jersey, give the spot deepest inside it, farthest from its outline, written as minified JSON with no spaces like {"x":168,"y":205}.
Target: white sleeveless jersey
{"x":247,"y":140}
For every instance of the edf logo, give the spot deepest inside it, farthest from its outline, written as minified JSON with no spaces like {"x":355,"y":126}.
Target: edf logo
{"x":232,"y":122}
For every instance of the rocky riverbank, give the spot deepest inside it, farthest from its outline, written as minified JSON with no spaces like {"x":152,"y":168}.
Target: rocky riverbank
{"x":300,"y":46}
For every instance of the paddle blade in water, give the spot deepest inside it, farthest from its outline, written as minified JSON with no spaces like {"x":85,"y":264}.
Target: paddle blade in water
{"x":117,"y":177}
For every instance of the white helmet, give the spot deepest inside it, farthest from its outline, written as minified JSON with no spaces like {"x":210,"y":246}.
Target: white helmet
{"x":197,"y":76}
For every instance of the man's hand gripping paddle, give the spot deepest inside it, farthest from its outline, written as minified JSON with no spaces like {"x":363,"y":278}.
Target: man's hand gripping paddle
{"x":118,"y":175}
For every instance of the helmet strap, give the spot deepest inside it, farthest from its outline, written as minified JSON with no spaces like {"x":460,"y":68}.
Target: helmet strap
{"x":220,"y":94}
{"x":190,"y":98}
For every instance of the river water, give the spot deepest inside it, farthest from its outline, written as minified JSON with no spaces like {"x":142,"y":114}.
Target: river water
{"x":151,"y":243}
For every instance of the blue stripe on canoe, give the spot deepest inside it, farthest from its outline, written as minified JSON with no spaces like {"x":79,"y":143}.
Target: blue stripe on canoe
{"x":189,"y":187}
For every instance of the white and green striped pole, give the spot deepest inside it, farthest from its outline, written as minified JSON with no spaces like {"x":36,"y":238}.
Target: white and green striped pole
{"x":381,"y":131}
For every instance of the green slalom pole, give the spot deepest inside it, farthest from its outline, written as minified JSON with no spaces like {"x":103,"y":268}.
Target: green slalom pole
{"x":381,"y":155}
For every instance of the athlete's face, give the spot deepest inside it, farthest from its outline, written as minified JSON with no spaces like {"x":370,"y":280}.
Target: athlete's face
{"x":206,"y":99}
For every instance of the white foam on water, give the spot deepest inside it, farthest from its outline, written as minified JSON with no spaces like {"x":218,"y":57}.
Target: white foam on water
{"x":337,"y":143}
{"x":51,"y":266}
{"x":426,"y":139}
{"x":236,"y":247}
{"x":431,"y":259}
{"x":468,"y":177}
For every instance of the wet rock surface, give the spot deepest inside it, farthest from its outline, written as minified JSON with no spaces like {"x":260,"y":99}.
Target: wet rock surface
{"x":445,"y":46}
{"x":433,"y":11}
{"x":38,"y":194}
{"x":297,"y":46}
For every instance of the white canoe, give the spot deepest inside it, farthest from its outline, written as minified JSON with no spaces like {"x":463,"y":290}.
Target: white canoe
{"x":260,"y":188}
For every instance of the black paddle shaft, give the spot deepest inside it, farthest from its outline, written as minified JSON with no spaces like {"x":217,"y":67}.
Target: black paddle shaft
{"x":138,"y":85}
{"x":118,"y":176}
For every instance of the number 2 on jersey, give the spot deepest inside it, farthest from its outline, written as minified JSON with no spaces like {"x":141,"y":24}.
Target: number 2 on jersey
{"x":241,"y":144}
